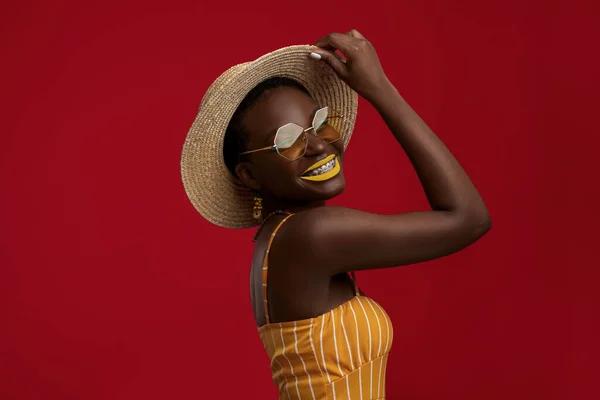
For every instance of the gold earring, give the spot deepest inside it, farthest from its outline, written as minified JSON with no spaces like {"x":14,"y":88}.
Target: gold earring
{"x":257,"y":214}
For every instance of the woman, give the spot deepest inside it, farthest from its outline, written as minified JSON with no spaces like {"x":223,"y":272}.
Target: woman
{"x":282,"y":123}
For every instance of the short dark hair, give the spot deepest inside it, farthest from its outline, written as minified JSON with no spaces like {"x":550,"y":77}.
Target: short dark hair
{"x":236,"y":138}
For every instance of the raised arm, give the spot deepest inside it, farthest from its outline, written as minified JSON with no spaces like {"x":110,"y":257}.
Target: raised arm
{"x":341,"y":239}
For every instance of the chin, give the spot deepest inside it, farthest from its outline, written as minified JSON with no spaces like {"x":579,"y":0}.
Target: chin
{"x":324,"y":190}
{"x":336,"y":189}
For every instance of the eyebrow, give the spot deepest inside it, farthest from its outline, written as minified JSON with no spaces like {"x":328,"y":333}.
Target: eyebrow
{"x":269,"y":140}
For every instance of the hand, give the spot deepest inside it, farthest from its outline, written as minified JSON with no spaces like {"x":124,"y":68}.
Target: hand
{"x":361,"y":70}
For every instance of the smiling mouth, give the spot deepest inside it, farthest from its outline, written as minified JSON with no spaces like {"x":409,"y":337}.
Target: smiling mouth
{"x":323,"y":170}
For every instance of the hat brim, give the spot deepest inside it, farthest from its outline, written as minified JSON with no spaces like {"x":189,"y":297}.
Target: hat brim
{"x":216,"y":194}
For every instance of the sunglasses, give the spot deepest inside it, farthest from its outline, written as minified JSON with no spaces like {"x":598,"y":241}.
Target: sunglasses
{"x":291,"y":140}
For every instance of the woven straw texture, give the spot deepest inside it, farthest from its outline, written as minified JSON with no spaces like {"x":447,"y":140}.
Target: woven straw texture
{"x":217,"y":195}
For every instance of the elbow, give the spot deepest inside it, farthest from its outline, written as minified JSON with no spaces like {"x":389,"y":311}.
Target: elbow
{"x":477,"y":222}
{"x":484,"y":226}
{"x":481,"y":223}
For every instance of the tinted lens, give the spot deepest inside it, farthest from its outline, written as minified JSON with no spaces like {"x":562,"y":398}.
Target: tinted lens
{"x":328,"y":133}
{"x":290,"y":141}
{"x":320,"y":118}
{"x":323,"y":128}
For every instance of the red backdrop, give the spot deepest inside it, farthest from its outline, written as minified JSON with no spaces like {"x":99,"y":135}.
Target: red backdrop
{"x":113,"y":287}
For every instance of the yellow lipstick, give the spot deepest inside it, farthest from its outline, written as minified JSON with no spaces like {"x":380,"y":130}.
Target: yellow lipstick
{"x":327,"y":175}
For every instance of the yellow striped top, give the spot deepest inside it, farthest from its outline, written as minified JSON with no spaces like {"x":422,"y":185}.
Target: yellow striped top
{"x":341,"y":354}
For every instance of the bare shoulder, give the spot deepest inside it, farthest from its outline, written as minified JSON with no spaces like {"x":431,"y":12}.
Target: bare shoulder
{"x":338,"y":239}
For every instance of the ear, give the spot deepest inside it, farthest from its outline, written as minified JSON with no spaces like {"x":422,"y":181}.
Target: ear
{"x":242,"y":170}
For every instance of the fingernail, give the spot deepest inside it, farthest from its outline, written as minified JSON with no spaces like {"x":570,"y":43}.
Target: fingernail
{"x":315,"y":56}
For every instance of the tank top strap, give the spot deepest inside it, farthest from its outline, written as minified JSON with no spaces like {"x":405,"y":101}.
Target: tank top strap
{"x":354,"y":282}
{"x":265,"y":268}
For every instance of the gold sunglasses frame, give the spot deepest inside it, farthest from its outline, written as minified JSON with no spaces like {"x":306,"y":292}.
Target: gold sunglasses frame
{"x":304,"y":132}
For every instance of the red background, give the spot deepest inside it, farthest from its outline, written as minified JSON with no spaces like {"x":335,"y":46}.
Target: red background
{"x":113,"y":287}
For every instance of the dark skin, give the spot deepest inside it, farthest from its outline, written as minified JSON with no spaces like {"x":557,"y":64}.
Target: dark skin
{"x":313,"y":252}
{"x":277,"y":178}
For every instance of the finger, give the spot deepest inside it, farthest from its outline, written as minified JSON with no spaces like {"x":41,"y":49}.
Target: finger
{"x":340,"y":57}
{"x":356,"y":34}
{"x":339,"y":41}
{"x":333,"y":51}
{"x":332,"y":60}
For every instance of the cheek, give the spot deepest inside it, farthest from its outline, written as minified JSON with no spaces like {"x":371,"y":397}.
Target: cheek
{"x":277,"y":173}
{"x":339,"y":146}
{"x":281,"y":179}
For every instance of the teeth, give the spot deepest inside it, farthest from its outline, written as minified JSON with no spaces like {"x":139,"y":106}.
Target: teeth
{"x":322,"y":169}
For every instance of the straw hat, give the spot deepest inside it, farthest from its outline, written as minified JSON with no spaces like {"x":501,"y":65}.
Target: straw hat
{"x":218,"y":196}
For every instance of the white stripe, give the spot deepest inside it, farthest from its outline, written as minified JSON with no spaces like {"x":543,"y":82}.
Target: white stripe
{"x":368,"y":325}
{"x":323,"y":354}
{"x":378,"y":324}
{"x":347,"y":343}
{"x":312,"y":346}
{"x":360,"y":381}
{"x":337,"y":356}
{"x":284,"y":381}
{"x":288,"y":360}
{"x":379,"y":351}
{"x":303,"y":364}
{"x":358,"y":350}
{"x":281,"y":366}
{"x":333,"y":387}
{"x":387,"y":328}
{"x":385,"y":374}
{"x":272,"y":355}
{"x":379,"y":387}
{"x":370,"y":342}
{"x":371,"y":379}
{"x":348,"y":387}
{"x":270,"y":351}
{"x":357,"y":338}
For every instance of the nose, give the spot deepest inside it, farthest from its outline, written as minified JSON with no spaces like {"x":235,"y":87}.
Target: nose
{"x":315,"y":145}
